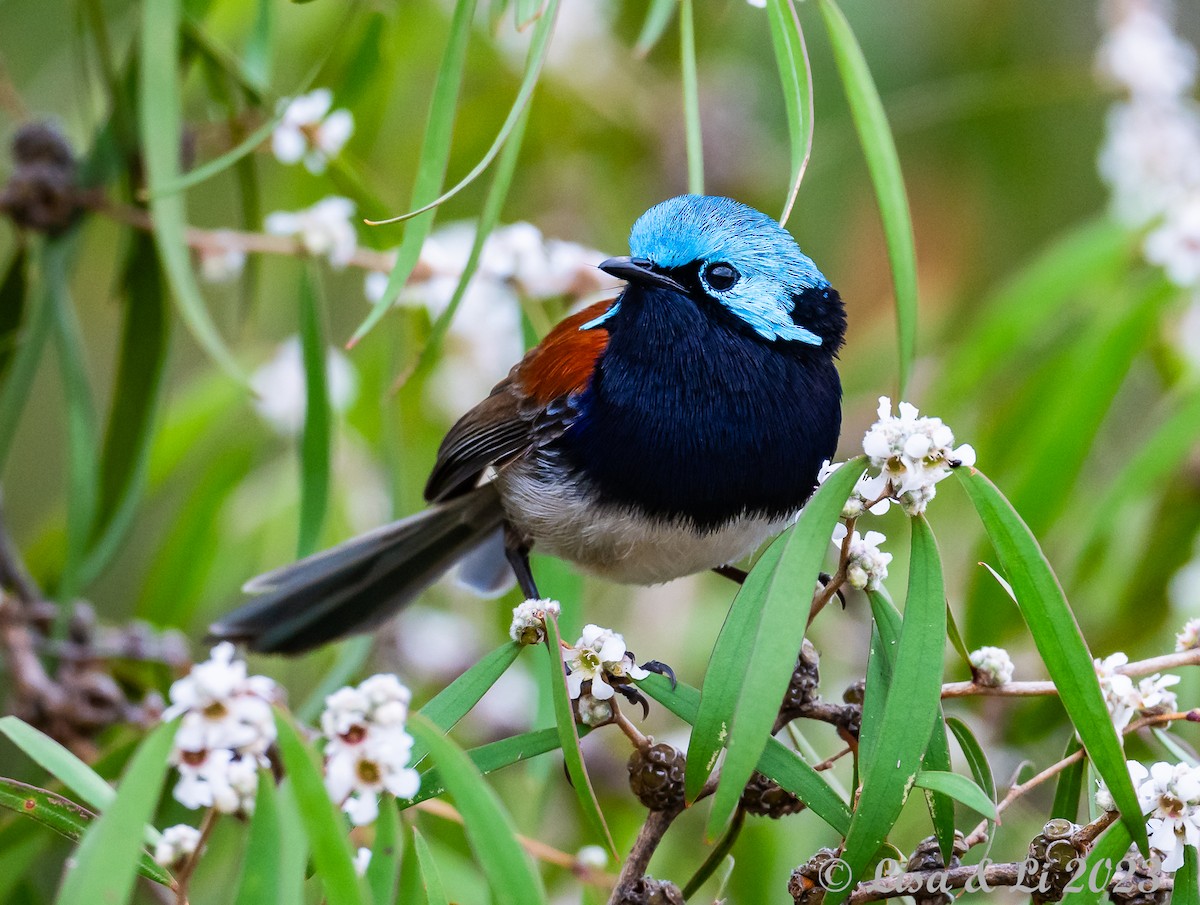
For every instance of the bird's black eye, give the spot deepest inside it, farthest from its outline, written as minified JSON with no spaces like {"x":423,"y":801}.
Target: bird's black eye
{"x":721,"y":276}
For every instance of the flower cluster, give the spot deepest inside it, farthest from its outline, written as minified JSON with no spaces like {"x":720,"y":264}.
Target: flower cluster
{"x":281,"y":388}
{"x":529,"y":620}
{"x":178,"y":843}
{"x":598,"y":657}
{"x":1170,"y":796}
{"x":912,"y":454}
{"x":1189,"y":638}
{"x":325,"y":229}
{"x":226,"y":726}
{"x":866,"y":564}
{"x":1125,"y":698}
{"x":992,"y":666}
{"x":485,"y":337}
{"x":367,"y":748}
{"x":308,"y":131}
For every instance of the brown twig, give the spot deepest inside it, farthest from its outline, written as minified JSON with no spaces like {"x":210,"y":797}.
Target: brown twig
{"x":184,"y":875}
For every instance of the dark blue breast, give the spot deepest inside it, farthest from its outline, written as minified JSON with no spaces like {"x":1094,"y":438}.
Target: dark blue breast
{"x":692,"y":414}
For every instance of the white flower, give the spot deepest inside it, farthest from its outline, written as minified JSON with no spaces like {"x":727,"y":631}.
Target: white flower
{"x":221,"y":707}
{"x":599,"y":653}
{"x":362,"y":860}
{"x":592,"y":857}
{"x":309,"y":132}
{"x":1124,"y":698}
{"x":993,"y":666}
{"x":1175,"y":245}
{"x":375,"y":285}
{"x":1189,"y":638}
{"x":323,"y":229}
{"x":1170,"y":796}
{"x":913,"y":453}
{"x":869,"y":489}
{"x":218,"y":779}
{"x":1143,"y":55}
{"x":178,"y":843}
{"x":281,"y":390}
{"x":223,"y":260}
{"x":866,"y":564}
{"x":761,"y":4}
{"x":1150,"y":158}
{"x":529,"y":620}
{"x":356,"y":774}
{"x":1155,"y":699}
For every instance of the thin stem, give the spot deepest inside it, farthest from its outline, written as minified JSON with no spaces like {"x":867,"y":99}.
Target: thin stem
{"x":1029,"y":689}
{"x":691,"y":98}
{"x":184,"y":875}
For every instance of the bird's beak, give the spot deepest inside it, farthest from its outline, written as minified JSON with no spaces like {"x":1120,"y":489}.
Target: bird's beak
{"x":641,"y":271}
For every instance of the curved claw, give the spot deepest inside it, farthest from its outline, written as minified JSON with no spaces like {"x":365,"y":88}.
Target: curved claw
{"x":825,"y":578}
{"x":662,"y":669}
{"x":633,"y":696}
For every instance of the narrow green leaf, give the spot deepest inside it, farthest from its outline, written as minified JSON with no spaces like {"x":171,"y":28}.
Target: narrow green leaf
{"x":435,"y":156}
{"x":490,"y":832}
{"x":106,"y":863}
{"x":1102,"y":861}
{"x":435,"y":892}
{"x":527,"y":12}
{"x":883,"y":163}
{"x":777,"y":762}
{"x":911,"y":710}
{"x":317,"y":440}
{"x":136,"y":395}
{"x":491,"y":757}
{"x":937,"y":799}
{"x":568,"y":737}
{"x":533,"y":67}
{"x":956,"y":638}
{"x":658,"y":17}
{"x":13,"y":290}
{"x":160,"y":120}
{"x":1187,"y":883}
{"x":756,"y":651}
{"x":260,"y":881}
{"x":1069,"y":787}
{"x":293,"y":847}
{"x":320,"y":817}
{"x":1173,"y":745}
{"x":881,"y":663}
{"x":64,"y":817}
{"x":31,"y":342}
{"x":691,"y":98}
{"x":384,"y":869}
{"x":257,"y":54}
{"x":60,"y":763}
{"x":977,"y":761}
{"x":959,"y":788}
{"x":791,"y":58}
{"x":489,"y":216}
{"x":1058,"y":639}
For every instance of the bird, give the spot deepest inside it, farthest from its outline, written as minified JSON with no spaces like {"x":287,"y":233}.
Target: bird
{"x":667,"y":431}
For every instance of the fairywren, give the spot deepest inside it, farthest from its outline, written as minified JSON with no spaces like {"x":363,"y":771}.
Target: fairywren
{"x":663,"y":433}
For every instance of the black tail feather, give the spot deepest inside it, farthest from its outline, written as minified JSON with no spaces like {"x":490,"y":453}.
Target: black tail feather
{"x":360,"y":584}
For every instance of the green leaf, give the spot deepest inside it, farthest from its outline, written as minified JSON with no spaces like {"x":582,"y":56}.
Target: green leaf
{"x":959,"y":788}
{"x":977,"y":761}
{"x":160,"y":120}
{"x":435,"y":893}
{"x":911,"y":710}
{"x":937,"y":799}
{"x":1172,"y":744}
{"x":455,"y":701}
{"x":435,"y":156}
{"x":691,"y":98}
{"x":317,"y":439}
{"x":293,"y":847}
{"x":777,"y":762}
{"x":261,"y":879}
{"x":136,"y":394}
{"x":883,"y":163}
{"x":1102,"y":861}
{"x":384,"y":869}
{"x":31,"y":342}
{"x":658,"y":17}
{"x":64,"y":817}
{"x":320,"y":817}
{"x":1069,"y":787}
{"x":490,"y":832}
{"x":257,"y":53}
{"x":533,"y":67}
{"x":527,"y":12}
{"x":21,"y":857}
{"x":568,"y":737}
{"x":489,"y":758}
{"x":1187,"y":884}
{"x":13,"y":290}
{"x":791,"y":58}
{"x":755,"y":653}
{"x":1058,"y":639}
{"x":106,"y":863}
{"x":489,"y":216}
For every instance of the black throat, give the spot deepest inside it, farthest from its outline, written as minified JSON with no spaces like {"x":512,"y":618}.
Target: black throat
{"x":691,"y":415}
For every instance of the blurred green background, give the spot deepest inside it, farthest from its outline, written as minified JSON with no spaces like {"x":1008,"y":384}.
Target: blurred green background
{"x":1059,"y":376}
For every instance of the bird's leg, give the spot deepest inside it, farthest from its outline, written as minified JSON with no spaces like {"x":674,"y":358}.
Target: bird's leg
{"x":633,"y":696}
{"x":733,"y":573}
{"x":516,"y":551}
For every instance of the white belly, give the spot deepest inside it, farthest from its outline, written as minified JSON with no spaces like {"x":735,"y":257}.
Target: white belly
{"x":616,"y":544}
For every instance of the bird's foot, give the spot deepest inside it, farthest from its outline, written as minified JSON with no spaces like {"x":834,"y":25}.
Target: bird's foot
{"x":657,"y":666}
{"x":633,"y":696}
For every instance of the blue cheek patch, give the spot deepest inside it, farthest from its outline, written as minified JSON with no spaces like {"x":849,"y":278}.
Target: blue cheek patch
{"x":596,"y":322}
{"x":770,"y":321}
